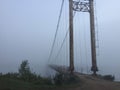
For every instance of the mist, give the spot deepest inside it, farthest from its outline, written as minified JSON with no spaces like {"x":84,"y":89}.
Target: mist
{"x":27,"y":29}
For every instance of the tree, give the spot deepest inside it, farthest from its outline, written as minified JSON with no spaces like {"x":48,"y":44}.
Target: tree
{"x":24,"y":70}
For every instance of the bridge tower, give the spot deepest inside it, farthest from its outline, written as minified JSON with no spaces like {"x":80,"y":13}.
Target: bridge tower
{"x":71,"y":36}
{"x":83,"y":6}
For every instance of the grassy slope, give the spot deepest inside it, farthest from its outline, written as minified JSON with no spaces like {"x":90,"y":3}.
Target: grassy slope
{"x":11,"y":84}
{"x":87,"y":83}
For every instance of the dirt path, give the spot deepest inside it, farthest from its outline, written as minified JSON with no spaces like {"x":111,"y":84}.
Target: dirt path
{"x":92,"y":83}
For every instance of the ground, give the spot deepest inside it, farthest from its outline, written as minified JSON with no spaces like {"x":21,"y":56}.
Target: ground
{"x":86,"y":83}
{"x":93,"y":83}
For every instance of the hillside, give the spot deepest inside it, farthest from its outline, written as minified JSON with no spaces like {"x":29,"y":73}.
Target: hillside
{"x":86,"y":83}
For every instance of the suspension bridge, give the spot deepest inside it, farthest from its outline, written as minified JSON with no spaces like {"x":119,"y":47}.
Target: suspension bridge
{"x":76,"y":38}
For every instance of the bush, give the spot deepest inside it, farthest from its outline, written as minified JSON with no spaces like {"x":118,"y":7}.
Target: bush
{"x":25,"y":72}
{"x":58,"y":79}
{"x":61,"y":79}
{"x":26,"y":75}
{"x":1,"y":74}
{"x":11,"y":75}
{"x":109,"y":77}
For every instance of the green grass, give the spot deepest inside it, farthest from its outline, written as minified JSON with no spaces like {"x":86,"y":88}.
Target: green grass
{"x":13,"y":84}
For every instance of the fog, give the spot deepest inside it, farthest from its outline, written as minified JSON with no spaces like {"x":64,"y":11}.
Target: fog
{"x":27,"y":29}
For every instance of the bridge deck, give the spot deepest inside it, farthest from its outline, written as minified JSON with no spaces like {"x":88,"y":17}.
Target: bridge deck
{"x":60,"y":69}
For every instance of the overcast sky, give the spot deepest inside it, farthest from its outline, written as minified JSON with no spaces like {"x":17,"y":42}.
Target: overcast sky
{"x":27,"y":29}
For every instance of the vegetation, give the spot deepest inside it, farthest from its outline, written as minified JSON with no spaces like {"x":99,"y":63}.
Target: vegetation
{"x":107,"y":77}
{"x":61,"y":79}
{"x":25,"y":75}
{"x":24,"y":71}
{"x":27,"y":79}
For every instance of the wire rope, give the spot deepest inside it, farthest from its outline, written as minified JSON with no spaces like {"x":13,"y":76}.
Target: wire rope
{"x":57,"y":28}
{"x":97,"y":30}
{"x":63,"y":40}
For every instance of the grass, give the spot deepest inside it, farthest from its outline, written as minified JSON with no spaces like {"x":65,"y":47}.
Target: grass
{"x":14,"y":84}
{"x":11,"y":84}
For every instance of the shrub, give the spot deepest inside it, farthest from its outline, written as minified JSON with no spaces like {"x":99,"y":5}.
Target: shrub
{"x":109,"y":77}
{"x":60,"y":79}
{"x":11,"y":75}
{"x":24,"y":71}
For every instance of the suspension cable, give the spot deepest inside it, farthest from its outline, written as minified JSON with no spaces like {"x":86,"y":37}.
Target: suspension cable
{"x":85,"y":46}
{"x":97,"y":30}
{"x":57,"y":28}
{"x":64,"y":40}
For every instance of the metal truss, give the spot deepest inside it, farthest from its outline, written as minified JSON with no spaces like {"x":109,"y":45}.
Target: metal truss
{"x":81,"y":6}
